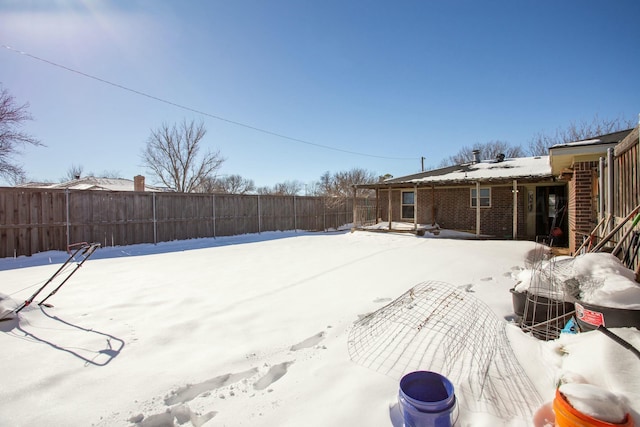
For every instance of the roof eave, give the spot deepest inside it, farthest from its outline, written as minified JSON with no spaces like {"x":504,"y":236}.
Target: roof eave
{"x":466,"y":181}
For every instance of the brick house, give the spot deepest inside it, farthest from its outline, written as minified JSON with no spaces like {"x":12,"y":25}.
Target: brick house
{"x":564,"y":195}
{"x":515,"y":198}
{"x":591,"y":183}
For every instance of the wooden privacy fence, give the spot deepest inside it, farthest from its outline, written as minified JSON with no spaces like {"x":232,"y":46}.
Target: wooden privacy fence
{"x":36,"y":220}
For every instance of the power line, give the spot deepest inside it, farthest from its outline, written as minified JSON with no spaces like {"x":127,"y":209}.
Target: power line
{"x":194,"y":110}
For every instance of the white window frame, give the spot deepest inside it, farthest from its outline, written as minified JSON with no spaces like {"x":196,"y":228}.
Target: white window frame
{"x":472,"y":198}
{"x":403,"y":204}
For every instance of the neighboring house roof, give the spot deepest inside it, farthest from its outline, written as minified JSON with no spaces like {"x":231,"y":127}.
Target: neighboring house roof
{"x":93,"y":183}
{"x":563,"y":156}
{"x":494,"y":171}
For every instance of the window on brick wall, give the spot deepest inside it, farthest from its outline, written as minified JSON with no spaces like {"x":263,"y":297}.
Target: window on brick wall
{"x":408,"y":208}
{"x":485,"y":197}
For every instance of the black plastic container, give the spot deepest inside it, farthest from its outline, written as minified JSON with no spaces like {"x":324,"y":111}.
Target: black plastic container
{"x":519,"y":300}
{"x":545,"y":317}
{"x":590,"y":316}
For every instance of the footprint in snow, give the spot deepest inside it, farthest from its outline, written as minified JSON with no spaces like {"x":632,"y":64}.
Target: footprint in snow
{"x":467,"y":287}
{"x":275,"y":373}
{"x":191,"y":391}
{"x":486,"y":279}
{"x":381,"y":300}
{"x":309,"y":342}
{"x":182,"y":414}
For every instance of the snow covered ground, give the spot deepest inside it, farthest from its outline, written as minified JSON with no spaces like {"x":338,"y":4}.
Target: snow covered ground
{"x":257,"y":330}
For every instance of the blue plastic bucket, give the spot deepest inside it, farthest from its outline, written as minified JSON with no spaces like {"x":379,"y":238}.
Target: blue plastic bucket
{"x":426,"y":399}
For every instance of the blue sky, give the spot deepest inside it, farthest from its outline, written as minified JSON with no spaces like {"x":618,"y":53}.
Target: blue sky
{"x":364,"y":84}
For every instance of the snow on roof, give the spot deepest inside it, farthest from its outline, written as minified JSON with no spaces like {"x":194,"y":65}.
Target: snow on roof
{"x":95,"y":183}
{"x":516,"y":168}
{"x":83,"y":186}
{"x":579,"y":143}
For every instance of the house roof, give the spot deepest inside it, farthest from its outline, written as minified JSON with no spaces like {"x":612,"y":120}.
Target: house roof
{"x":610,"y":138}
{"x":93,"y":183}
{"x":563,"y":156}
{"x":494,"y":171}
{"x":631,"y":140}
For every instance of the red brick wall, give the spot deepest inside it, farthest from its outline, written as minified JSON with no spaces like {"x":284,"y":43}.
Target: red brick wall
{"x":453,"y":211}
{"x":574,"y":239}
{"x":582,"y":209}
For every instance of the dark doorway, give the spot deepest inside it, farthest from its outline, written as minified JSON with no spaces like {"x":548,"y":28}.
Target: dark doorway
{"x":551,"y":214}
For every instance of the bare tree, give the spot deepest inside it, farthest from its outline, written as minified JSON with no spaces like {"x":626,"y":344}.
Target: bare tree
{"x":343,"y":182}
{"x":264,"y":190}
{"x":116,"y":174}
{"x":288,"y":188}
{"x":487,"y":151}
{"x":74,"y":172}
{"x":340,"y":184}
{"x":12,"y":139}
{"x":576,"y":131}
{"x":313,"y":188}
{"x":172,"y":155}
{"x":326,"y":183}
{"x":231,"y":184}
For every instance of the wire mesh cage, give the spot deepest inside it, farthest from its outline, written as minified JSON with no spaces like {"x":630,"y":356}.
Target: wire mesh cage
{"x":548,"y":302}
{"x":435,"y":326}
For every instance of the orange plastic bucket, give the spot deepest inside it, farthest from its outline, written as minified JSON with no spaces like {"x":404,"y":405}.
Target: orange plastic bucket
{"x":568,"y":416}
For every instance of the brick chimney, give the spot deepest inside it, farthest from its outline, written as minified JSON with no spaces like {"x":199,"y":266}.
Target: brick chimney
{"x":138,"y":183}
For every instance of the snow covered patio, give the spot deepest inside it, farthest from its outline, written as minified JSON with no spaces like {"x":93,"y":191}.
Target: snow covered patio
{"x":254,"y":331}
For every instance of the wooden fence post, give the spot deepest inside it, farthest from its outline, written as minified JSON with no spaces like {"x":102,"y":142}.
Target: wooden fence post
{"x":324,"y":213}
{"x":66,"y":193}
{"x":155,"y":219}
{"x":213,"y":213}
{"x":259,"y":215}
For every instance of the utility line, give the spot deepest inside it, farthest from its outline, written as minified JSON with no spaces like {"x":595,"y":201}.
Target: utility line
{"x":193,"y":110}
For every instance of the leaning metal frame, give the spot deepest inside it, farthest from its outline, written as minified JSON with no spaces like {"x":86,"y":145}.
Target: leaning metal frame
{"x":546,"y":309}
{"x":435,"y":326}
